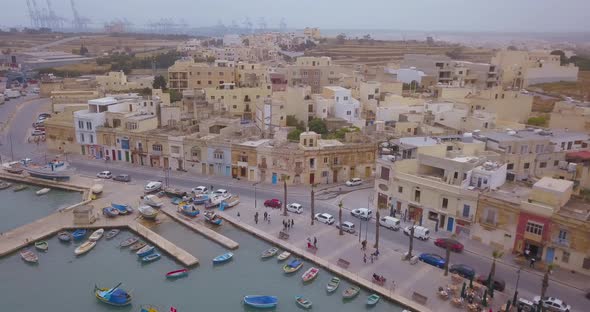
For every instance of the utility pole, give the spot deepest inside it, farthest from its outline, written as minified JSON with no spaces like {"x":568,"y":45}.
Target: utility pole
{"x":377,"y":216}
{"x":516,"y":288}
{"x":11,"y":150}
{"x":255,"y":195}
{"x":312,"y":203}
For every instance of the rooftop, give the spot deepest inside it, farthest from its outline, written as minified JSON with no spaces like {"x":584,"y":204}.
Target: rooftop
{"x":105,"y":101}
{"x":418,"y":141}
{"x":558,"y":185}
{"x":336,"y":88}
{"x":256,"y":143}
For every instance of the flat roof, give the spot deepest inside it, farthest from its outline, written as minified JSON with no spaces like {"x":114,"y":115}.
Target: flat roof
{"x":255,"y":143}
{"x":554,"y":184}
{"x":336,"y":88}
{"x":418,"y":141}
{"x":103,"y":101}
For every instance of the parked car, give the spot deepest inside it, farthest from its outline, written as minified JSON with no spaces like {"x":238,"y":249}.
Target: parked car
{"x":39,"y":124}
{"x":525,"y":305}
{"x":463,"y":270}
{"x":152,"y":186}
{"x":122,"y":178}
{"x":273,"y":203}
{"x":324,"y":218}
{"x":432,"y":259}
{"x":104,"y":175}
{"x":420,"y":232}
{"x":220,"y":192}
{"x":346,"y":226}
{"x":390,"y":223}
{"x":38,"y":132}
{"x":199,"y":189}
{"x":450,"y":243}
{"x":354,"y":182}
{"x":295,"y":207}
{"x":498,"y":283}
{"x":552,"y":304}
{"x":362,"y":213}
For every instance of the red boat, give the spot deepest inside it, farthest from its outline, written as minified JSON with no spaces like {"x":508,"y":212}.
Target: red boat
{"x":177,"y":273}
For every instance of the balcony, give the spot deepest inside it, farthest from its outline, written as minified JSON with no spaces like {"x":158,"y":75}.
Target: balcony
{"x":533,"y":237}
{"x":561,"y":241}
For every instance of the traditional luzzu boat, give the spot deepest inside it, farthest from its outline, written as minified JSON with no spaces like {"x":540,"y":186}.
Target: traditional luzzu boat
{"x":177,"y":273}
{"x":64,"y":236}
{"x":263,"y":302}
{"x":79,"y":234}
{"x":212,"y":218}
{"x":351,"y":292}
{"x":148,"y":212}
{"x":110,"y":212}
{"x":129,"y":241}
{"x":310,"y":274}
{"x":223,"y":258}
{"x":188,"y":210}
{"x":293,"y":266}
{"x":114,"y":296}
{"x":200,"y":199}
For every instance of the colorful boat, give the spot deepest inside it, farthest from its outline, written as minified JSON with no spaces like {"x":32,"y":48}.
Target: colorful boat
{"x":20,"y":187}
{"x":29,"y":256}
{"x":148,"y":212}
{"x":85,"y":247}
{"x":96,"y":235}
{"x":229,"y":202}
{"x":42,"y":245}
{"x":64,"y":236}
{"x":284,"y":255}
{"x":112,"y":233}
{"x":177,"y":273}
{"x":110,"y":212}
{"x":200,"y":199}
{"x":223,"y":258}
{"x":310,"y":274}
{"x":263,"y":302}
{"x":151,"y":258}
{"x":351,"y":292}
{"x":137,"y":246}
{"x":146,"y":250}
{"x":148,"y":308}
{"x":189,"y":210}
{"x":79,"y":234}
{"x":269,"y":253}
{"x":113,"y":296}
{"x":43,"y":191}
{"x":293,"y":266}
{"x":302,"y":302}
{"x":129,"y":241}
{"x":4,"y":185}
{"x":212,"y":218}
{"x":176,"y":200}
{"x":122,"y":208}
{"x":373,"y":299}
{"x":333,"y":284}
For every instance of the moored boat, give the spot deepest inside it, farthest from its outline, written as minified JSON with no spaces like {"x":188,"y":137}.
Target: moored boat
{"x":351,"y":292}
{"x":79,"y":234}
{"x":129,"y":241}
{"x":96,"y":235}
{"x":215,"y":200}
{"x":263,"y":302}
{"x":113,"y":296}
{"x":20,"y":187}
{"x":152,"y":200}
{"x":43,"y":191}
{"x":189,"y":210}
{"x":229,"y":202}
{"x":373,"y":299}
{"x":177,"y":273}
{"x":151,"y":257}
{"x":310,"y":274}
{"x":29,"y":256}
{"x":5,"y":185}
{"x":110,"y":212}
{"x":284,"y":255}
{"x":42,"y":245}
{"x":269,"y":253}
{"x":96,"y":189}
{"x":212,"y":218}
{"x":200,"y":199}
{"x":174,"y":192}
{"x":146,"y":250}
{"x":293,"y":266}
{"x":333,"y":284}
{"x":223,"y":258}
{"x":302,"y":302}
{"x":64,"y":236}
{"x":176,"y":200}
{"x":112,"y":233}
{"x":148,"y":212}
{"x":148,"y":308}
{"x":122,"y":208}
{"x":85,"y":247}
{"x":137,"y":246}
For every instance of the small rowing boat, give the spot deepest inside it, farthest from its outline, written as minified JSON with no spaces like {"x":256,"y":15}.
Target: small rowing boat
{"x":269,"y":253}
{"x":351,"y":292}
{"x":177,"y":273}
{"x":4,"y":185}
{"x":373,"y":299}
{"x":151,"y":258}
{"x":29,"y":256}
{"x":310,"y":274}
{"x":43,"y":191}
{"x":223,"y":258}
{"x":122,"y":208}
{"x":113,"y":296}
{"x":42,"y":245}
{"x":284,"y":255}
{"x":146,"y":250}
{"x":96,"y":235}
{"x":110,"y":212}
{"x":261,"y":302}
{"x":189,"y":210}
{"x":112,"y":233}
{"x":20,"y":187}
{"x":333,"y":284}
{"x":64,"y":236}
{"x":212,"y":218}
{"x":302,"y":302}
{"x":129,"y":241}
{"x":137,"y":246}
{"x":79,"y":234}
{"x":85,"y":247}
{"x":148,"y":308}
{"x":293,"y":266}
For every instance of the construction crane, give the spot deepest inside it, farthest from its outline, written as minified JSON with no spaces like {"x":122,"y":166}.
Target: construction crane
{"x":79,"y":22}
{"x":32,"y":15}
{"x":283,"y":25}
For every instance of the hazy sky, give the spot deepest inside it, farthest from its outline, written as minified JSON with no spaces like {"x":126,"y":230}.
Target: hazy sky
{"x":428,"y":15}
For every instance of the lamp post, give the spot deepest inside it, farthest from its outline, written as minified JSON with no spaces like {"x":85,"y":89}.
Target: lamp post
{"x":255,"y":198}
{"x":516,"y":288}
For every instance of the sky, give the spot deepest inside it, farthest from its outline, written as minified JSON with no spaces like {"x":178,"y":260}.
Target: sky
{"x":421,"y":15}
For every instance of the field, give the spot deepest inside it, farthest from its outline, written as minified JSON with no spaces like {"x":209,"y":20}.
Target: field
{"x":579,"y":90}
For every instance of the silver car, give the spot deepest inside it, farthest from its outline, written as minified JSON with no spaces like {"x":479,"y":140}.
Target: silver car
{"x":346,"y":227}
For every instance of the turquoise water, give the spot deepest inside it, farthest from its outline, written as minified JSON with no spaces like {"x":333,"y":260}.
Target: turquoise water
{"x":20,"y":208}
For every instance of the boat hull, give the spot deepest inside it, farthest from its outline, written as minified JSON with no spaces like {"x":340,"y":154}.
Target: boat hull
{"x":102,"y":299}
{"x":177,"y":274}
{"x":79,"y":234}
{"x":146,"y":250}
{"x":223,"y":258}
{"x":84,"y":248}
{"x":261,"y":302}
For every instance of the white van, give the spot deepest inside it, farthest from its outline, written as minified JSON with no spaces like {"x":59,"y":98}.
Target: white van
{"x":420,"y":232}
{"x":390,"y":223}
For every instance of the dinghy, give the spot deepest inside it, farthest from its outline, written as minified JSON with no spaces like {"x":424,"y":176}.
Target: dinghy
{"x":85,"y":247}
{"x":96,"y":235}
{"x":261,"y":302}
{"x":223,"y":258}
{"x":43,"y":191}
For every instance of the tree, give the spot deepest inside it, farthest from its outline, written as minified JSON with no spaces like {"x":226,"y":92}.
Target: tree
{"x":411,"y":247}
{"x":512,"y":48}
{"x":495,"y":255}
{"x":377,"y":218}
{"x":175,"y":96}
{"x":447,"y":259}
{"x":340,"y":219}
{"x":341,"y":38}
{"x":246,"y":42}
{"x":83,"y":50}
{"x":562,"y":58}
{"x":318,"y":126}
{"x":545,"y":282}
{"x":294,"y":135}
{"x":537,"y":121}
{"x":285,"y":177}
{"x":159,"y":82}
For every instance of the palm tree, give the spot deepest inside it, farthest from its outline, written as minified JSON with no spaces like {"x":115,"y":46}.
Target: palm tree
{"x":313,"y":202}
{"x":377,"y":216}
{"x":495,"y":255}
{"x":340,"y":218}
{"x":447,"y":259}
{"x":411,"y":240}
{"x":545,"y":283}
{"x":285,"y":177}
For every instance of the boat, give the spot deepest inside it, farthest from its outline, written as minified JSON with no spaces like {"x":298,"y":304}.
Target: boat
{"x":42,"y":245}
{"x":55,"y":170}
{"x":212,"y":218}
{"x":284,"y":255}
{"x":302,"y":302}
{"x":146,"y":250}
{"x":151,"y":257}
{"x":122,"y":208}
{"x":351,"y":292}
{"x":263,"y":302}
{"x":96,"y":189}
{"x":113,"y":296}
{"x":137,"y":246}
{"x":215,"y":200}
{"x":373,"y":299}
{"x":174,"y":192}
{"x":29,"y":256}
{"x":333,"y":284}
{"x":152,"y":200}
{"x":112,"y":233}
{"x":5,"y":185}
{"x":229,"y":202}
{"x":85,"y":247}
{"x":110,"y":212}
{"x":64,"y":236}
{"x":293,"y":266}
{"x":177,"y":273}
{"x":310,"y":274}
{"x":129,"y":241}
{"x":223,"y":258}
{"x":148,"y":308}
{"x":96,"y":235}
{"x":269,"y":252}
{"x":189,"y":210}
{"x":152,"y":186}
{"x":79,"y":234}
{"x":20,"y":187}
{"x":200,"y":199}
{"x":176,"y":200}
{"x":148,"y":212}
{"x":13,"y":168}
{"x":43,"y":191}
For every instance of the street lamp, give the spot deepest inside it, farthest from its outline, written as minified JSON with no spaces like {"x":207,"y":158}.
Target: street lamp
{"x":516,"y":288}
{"x":255,"y":195}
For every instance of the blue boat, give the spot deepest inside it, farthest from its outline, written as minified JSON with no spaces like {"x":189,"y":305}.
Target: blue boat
{"x":146,"y":250}
{"x":113,"y":296}
{"x":176,"y":200}
{"x":189,"y":210}
{"x":212,"y":218}
{"x":151,"y":257}
{"x":261,"y":301}
{"x":79,"y":234}
{"x":200,"y":199}
{"x":122,"y":208}
{"x":110,"y":212}
{"x":223,"y":258}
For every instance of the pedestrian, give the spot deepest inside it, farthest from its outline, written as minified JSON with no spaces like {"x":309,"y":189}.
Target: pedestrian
{"x":532,"y":263}
{"x":372,"y":259}
{"x":284,"y":225}
{"x":238,"y":214}
{"x":268,"y":219}
{"x":256,"y":219}
{"x":288,"y":223}
{"x":265,"y":215}
{"x":211,"y":188}
{"x":315,"y":242}
{"x":292,"y":222}
{"x":365,"y":258}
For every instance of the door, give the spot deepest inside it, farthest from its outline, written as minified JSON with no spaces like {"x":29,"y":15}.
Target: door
{"x":367,"y":172}
{"x":274,"y":178}
{"x":114,"y":155}
{"x":227,"y":171}
{"x":450,"y":224}
{"x":311,"y":178}
{"x":119,"y":155}
{"x":127,"y":156}
{"x":166,"y":162}
{"x":550,"y":255}
{"x":335,"y":176}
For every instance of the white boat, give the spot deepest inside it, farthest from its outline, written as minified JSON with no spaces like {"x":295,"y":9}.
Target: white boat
{"x":152,"y":200}
{"x":96,"y":235}
{"x":148,"y":212}
{"x":152,"y":186}
{"x":96,"y":189}
{"x":231,"y":201}
{"x":84,"y":248}
{"x":216,"y":199}
{"x":43,"y":191}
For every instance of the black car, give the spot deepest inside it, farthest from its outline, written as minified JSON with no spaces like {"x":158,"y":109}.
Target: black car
{"x":122,"y":178}
{"x":463,"y":270}
{"x":498,"y":283}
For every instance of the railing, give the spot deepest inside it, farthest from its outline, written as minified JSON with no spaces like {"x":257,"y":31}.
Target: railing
{"x":561,"y":241}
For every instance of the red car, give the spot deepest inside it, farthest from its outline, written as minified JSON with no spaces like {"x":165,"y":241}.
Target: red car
{"x":450,"y":243}
{"x":274,"y":203}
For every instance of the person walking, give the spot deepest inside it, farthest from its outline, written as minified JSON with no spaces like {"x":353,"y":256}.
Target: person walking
{"x":292,"y":222}
{"x":365,"y":258}
{"x":265,"y":215}
{"x":256,"y":218}
{"x":372,"y":259}
{"x":527,"y":253}
{"x":315,"y":242}
{"x":532,"y":263}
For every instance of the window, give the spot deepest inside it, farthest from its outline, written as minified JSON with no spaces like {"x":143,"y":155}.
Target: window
{"x":449,"y":148}
{"x":417,"y":196}
{"x":524,"y":149}
{"x":400,"y":189}
{"x":466,"y":211}
{"x":586,"y":264}
{"x":543,"y":164}
{"x":490,"y":216}
{"x":348,"y":113}
{"x":325,"y":160}
{"x":562,"y":235}
{"x":346,"y":98}
{"x":555,"y":163}
{"x":565,"y":257}
{"x":198,"y":82}
{"x":384,"y":173}
{"x":510,"y":166}
{"x":91,"y":138}
{"x":534,"y":228}
{"x":209,"y":82}
{"x":527,"y":165}
{"x":235,"y":106}
{"x":335,"y":160}
{"x":81,"y":137}
{"x":445,"y":203}
{"x":539,"y":148}
{"x":312,"y":163}
{"x":213,"y":97}
{"x":157,"y":147}
{"x":175,"y":149}
{"x":88,"y":125}
{"x":324,"y":174}
{"x":131,"y":125}
{"x":80,"y":124}
{"x":456,"y":175}
{"x":218,"y":155}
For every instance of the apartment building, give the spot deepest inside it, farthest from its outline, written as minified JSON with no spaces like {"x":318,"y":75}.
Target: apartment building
{"x":60,"y":132}
{"x":118,"y":81}
{"x":186,"y":74}
{"x":316,"y":72}
{"x":571,"y":115}
{"x":312,"y":33}
{"x":238,"y":101}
